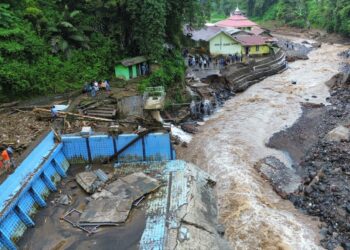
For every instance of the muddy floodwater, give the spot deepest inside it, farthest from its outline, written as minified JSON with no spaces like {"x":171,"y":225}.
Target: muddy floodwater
{"x":233,"y":140}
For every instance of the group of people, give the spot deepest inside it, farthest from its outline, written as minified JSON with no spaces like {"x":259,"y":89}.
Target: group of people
{"x":203,"y":62}
{"x":230,"y":59}
{"x":93,"y":88}
{"x":7,"y":159}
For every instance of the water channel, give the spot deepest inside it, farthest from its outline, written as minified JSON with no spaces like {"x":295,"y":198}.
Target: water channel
{"x":233,"y":140}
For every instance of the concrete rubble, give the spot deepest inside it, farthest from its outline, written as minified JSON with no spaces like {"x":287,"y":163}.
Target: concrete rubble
{"x":190,"y":221}
{"x":113,"y":204}
{"x":90,"y":181}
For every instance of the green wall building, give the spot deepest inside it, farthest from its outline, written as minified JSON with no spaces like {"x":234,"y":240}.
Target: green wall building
{"x":132,"y":68}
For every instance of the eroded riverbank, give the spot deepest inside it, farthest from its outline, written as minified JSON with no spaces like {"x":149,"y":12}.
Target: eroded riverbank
{"x":230,"y":143}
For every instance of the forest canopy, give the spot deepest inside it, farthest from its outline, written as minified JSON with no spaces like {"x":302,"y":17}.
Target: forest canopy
{"x":332,"y":15}
{"x":49,"y":46}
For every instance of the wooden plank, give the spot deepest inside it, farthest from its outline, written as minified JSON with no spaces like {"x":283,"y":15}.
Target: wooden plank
{"x":38,"y":110}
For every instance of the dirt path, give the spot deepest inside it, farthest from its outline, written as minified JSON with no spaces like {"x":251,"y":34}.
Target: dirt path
{"x":230,"y":143}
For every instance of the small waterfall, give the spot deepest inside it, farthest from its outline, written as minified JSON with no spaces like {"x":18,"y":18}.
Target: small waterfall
{"x":207,"y":108}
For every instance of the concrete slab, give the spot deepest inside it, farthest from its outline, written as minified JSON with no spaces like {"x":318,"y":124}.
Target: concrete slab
{"x":106,"y":212}
{"x":133,"y":186}
{"x":114,"y":208}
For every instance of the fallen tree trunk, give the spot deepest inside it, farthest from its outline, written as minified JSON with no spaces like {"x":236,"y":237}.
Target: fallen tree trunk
{"x":7,"y":105}
{"x":84,"y":117}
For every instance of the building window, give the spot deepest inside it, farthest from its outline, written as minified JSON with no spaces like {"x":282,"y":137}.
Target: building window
{"x":257,"y":48}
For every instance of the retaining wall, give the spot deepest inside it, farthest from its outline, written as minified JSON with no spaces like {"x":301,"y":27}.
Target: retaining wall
{"x":24,"y":192}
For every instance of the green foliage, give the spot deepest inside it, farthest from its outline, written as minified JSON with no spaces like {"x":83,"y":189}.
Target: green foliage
{"x":7,"y":17}
{"x":170,"y":72}
{"x":333,"y":15}
{"x":50,"y":46}
{"x":216,"y":17}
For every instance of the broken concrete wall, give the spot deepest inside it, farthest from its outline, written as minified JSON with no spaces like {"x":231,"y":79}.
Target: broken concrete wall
{"x":183,"y":214}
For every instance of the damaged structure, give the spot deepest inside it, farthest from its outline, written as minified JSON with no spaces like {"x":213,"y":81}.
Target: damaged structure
{"x":178,"y":198}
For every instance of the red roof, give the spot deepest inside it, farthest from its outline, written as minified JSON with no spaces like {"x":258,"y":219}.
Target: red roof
{"x":247,"y":40}
{"x":236,"y":21}
{"x":257,"y":30}
{"x":237,"y":17}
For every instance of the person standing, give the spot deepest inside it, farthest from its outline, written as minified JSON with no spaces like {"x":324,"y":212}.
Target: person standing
{"x":54,"y":113}
{"x":108,"y":87}
{"x":7,"y":160}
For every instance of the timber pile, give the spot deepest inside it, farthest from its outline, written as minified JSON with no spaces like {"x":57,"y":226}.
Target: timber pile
{"x":45,"y":112}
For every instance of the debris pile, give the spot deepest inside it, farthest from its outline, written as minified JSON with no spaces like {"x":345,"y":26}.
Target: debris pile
{"x":20,"y":129}
{"x":111,"y":200}
{"x":112,"y":206}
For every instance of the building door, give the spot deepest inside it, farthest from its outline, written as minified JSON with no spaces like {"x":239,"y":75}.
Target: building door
{"x":246,"y":50}
{"x":130,"y":72}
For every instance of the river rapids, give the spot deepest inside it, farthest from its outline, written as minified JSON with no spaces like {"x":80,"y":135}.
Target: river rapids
{"x":233,"y":140}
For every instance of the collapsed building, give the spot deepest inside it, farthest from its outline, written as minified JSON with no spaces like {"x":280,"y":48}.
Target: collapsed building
{"x":178,"y":201}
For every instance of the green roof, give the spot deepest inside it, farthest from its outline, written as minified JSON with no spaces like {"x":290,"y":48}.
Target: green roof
{"x":132,"y":61}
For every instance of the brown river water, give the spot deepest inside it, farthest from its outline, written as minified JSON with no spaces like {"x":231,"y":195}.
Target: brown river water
{"x":233,"y":140}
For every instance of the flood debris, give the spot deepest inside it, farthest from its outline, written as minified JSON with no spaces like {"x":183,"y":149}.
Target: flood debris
{"x":112,"y":206}
{"x":64,"y":200}
{"x":179,"y":215}
{"x":92,"y":180}
{"x":72,"y":217}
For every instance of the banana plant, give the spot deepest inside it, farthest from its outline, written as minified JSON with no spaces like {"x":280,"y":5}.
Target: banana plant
{"x":66,"y":34}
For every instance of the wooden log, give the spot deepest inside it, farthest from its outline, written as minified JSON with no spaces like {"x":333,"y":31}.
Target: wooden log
{"x":75,"y":115}
{"x":7,"y":105}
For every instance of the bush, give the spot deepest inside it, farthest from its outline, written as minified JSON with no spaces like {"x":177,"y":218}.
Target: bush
{"x":171,"y":71}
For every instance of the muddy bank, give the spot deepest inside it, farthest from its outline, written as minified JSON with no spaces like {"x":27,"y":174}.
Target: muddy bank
{"x":322,"y":158}
{"x":230,"y":144}
{"x":297,"y":139}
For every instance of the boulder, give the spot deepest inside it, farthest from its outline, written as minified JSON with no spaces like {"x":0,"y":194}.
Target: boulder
{"x":339,"y":134}
{"x":284,"y":180}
